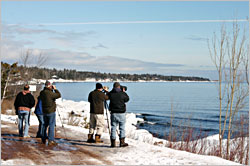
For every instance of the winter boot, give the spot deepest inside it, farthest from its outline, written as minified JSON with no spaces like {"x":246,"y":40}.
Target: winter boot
{"x":112,"y":142}
{"x":122,"y":142}
{"x":52,"y":143}
{"x":43,"y":140}
{"x":90,"y":138}
{"x":98,"y":139}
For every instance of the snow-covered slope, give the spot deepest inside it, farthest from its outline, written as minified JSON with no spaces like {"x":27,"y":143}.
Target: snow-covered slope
{"x":141,"y":149}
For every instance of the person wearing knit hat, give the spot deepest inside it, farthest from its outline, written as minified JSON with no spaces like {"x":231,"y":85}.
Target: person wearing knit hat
{"x":97,"y":122}
{"x":98,"y":86}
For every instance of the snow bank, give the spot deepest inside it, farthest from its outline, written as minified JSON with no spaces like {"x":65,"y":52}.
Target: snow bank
{"x":75,"y":115}
{"x":140,"y":153}
{"x":81,"y":114}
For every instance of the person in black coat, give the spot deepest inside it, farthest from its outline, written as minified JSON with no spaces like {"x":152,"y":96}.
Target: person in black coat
{"x":23,"y":103}
{"x":118,"y":97}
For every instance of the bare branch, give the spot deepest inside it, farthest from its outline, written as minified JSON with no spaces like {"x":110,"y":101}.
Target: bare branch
{"x":25,"y":57}
{"x":41,"y":60}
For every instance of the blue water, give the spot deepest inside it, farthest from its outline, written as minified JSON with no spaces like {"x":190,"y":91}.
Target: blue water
{"x":195,"y":105}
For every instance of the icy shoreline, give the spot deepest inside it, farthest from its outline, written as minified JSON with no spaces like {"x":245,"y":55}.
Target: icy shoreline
{"x":77,"y":114}
{"x":148,"y":149}
{"x":41,"y":81}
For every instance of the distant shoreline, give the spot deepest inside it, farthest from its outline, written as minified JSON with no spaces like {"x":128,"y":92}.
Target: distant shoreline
{"x":110,"y":81}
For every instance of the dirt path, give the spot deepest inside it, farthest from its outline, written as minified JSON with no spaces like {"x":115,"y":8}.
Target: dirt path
{"x":70,"y":151}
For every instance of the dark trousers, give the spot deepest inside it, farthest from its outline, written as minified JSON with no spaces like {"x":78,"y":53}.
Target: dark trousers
{"x":49,"y":121}
{"x":39,"y":133}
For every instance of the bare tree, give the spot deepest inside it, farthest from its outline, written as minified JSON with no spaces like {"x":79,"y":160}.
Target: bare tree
{"x":41,"y":60}
{"x":7,"y":74}
{"x":217,"y":53}
{"x":229,"y":53}
{"x":28,"y":58}
{"x":237,"y":51}
{"x":25,"y":57}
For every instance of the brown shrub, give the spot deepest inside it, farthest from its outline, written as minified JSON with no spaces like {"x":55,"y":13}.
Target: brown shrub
{"x":8,"y":104}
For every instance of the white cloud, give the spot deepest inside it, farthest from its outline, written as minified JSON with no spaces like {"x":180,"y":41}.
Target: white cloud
{"x":65,"y":39}
{"x":85,"y":61}
{"x":11,"y":48}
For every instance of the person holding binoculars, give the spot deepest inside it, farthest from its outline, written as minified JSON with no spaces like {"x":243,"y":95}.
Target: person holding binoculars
{"x":48,"y":96}
{"x":118,"y":97}
{"x":97,"y":121}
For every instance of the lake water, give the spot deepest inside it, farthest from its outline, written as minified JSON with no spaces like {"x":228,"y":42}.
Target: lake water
{"x":189,"y":104}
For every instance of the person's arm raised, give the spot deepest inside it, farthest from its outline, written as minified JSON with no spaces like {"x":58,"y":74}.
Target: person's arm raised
{"x":56,"y":94}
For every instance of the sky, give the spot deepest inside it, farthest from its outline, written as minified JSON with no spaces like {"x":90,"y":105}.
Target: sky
{"x":163,"y":37}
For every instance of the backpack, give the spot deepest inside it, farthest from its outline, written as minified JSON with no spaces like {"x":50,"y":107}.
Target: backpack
{"x":39,"y":109}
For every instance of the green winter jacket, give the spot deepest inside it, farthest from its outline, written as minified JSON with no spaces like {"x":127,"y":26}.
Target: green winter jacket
{"x":48,"y":98}
{"x":96,"y":99}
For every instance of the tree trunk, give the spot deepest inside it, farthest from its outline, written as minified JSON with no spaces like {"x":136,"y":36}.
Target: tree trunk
{"x":5,"y":88}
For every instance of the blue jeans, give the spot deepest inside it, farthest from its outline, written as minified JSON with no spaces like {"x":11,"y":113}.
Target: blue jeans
{"x":40,"y":127}
{"x":49,"y":121}
{"x":23,"y":116}
{"x":118,"y":119}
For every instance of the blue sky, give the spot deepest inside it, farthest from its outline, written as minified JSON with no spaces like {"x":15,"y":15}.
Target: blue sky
{"x":66,"y":33}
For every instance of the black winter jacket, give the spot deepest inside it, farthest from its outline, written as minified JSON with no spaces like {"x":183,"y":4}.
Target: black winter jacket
{"x":96,"y":99}
{"x":24,"y":99}
{"x":117,"y":99}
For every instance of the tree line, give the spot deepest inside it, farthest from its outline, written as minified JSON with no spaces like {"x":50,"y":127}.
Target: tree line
{"x":46,"y":73}
{"x":11,"y":74}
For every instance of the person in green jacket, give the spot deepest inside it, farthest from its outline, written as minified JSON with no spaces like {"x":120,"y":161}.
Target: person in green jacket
{"x":48,"y":96}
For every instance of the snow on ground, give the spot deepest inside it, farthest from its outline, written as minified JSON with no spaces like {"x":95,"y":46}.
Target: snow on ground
{"x":141,"y":150}
{"x":140,"y":153}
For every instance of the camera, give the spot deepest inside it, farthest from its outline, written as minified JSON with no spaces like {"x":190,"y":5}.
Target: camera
{"x":123,"y":87}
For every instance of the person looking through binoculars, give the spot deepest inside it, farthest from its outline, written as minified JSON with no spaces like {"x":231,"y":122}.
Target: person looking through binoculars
{"x":97,"y":121}
{"x":48,"y":96}
{"x":118,"y":97}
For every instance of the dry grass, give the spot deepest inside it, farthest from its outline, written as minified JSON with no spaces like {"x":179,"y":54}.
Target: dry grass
{"x":198,"y":143}
{"x":8,"y":104}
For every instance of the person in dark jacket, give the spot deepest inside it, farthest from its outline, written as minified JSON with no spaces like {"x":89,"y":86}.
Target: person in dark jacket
{"x":118,"y":97}
{"x":23,"y":103}
{"x":39,"y":115}
{"x":96,"y":99}
{"x":48,"y":96}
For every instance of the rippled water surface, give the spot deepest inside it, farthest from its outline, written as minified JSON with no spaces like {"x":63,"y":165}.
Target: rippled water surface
{"x":192,"y":104}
